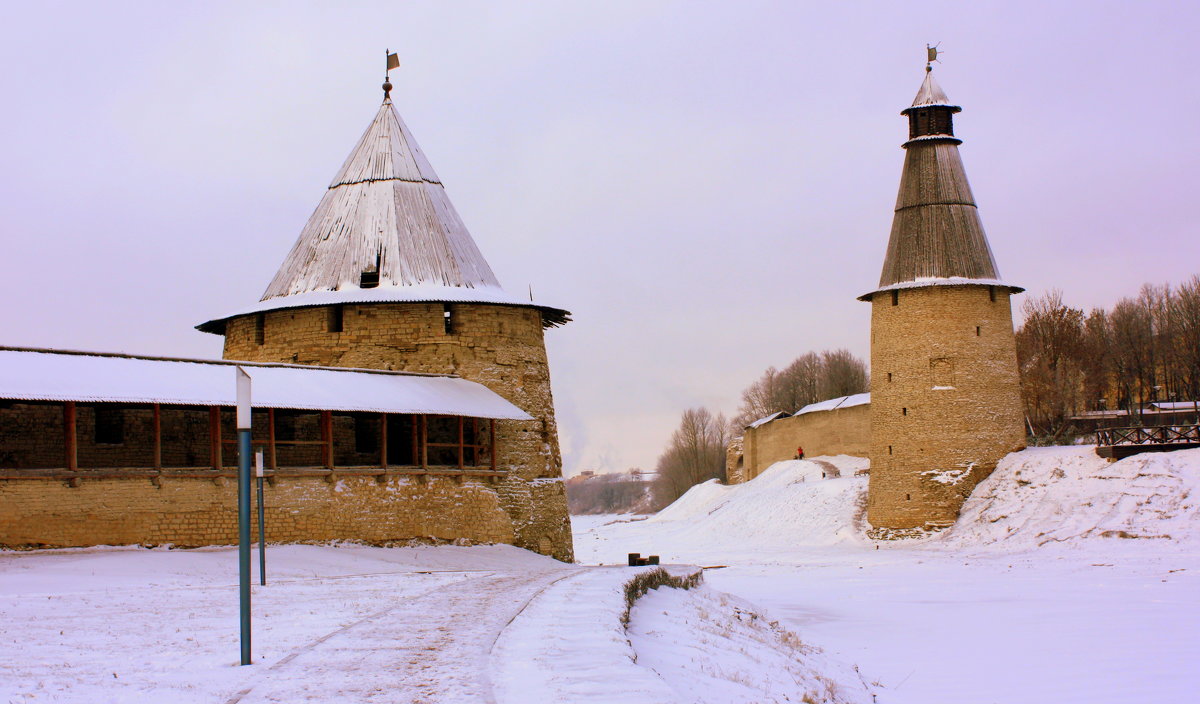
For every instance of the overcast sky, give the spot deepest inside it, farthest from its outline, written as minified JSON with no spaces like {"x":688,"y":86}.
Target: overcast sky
{"x":707,"y":186}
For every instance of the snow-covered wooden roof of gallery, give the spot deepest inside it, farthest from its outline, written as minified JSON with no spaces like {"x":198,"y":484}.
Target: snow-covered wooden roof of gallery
{"x":385,"y":215}
{"x":29,"y":374}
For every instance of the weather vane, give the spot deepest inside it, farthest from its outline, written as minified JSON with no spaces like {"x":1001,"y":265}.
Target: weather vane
{"x":393,"y":61}
{"x":931,"y":55}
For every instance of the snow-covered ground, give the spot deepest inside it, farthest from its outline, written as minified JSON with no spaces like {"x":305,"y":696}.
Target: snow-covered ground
{"x":347,"y":623}
{"x":1067,"y":578}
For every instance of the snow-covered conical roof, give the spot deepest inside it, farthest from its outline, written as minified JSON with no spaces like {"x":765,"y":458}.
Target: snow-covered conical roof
{"x":937,"y":236}
{"x":384,"y":232}
{"x":931,"y":94}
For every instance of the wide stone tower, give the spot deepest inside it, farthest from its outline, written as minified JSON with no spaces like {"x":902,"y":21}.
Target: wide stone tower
{"x":945,"y":395}
{"x":385,"y":275}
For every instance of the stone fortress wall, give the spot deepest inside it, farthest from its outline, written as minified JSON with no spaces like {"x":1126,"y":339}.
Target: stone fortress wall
{"x":945,"y":400}
{"x":501,"y":347}
{"x":840,"y":431}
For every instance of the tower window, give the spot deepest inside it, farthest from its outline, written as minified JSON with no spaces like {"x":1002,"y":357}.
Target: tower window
{"x":977,"y":331}
{"x":992,"y":294}
{"x":895,"y":297}
{"x":889,"y":449}
{"x":335,"y":319}
{"x":889,"y":377}
{"x":110,"y":425}
{"x":448,"y":319}
{"x":908,"y":497}
{"x":368,"y":279}
{"x":260,"y":329}
{"x":903,"y":411}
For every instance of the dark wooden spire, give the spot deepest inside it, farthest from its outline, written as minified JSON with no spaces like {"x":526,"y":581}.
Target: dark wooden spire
{"x":937,"y":237}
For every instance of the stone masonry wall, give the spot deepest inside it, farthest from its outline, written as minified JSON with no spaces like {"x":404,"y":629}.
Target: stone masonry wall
{"x":945,"y":400}
{"x":501,"y":347}
{"x":195,"y":511}
{"x":842,"y":431}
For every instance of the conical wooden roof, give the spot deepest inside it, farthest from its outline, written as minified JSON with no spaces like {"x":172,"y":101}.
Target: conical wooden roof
{"x":384,"y":231}
{"x":937,"y":236}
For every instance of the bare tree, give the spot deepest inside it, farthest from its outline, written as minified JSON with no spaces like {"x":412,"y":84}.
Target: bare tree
{"x":1049,"y":350}
{"x":842,"y":374}
{"x":696,"y":454}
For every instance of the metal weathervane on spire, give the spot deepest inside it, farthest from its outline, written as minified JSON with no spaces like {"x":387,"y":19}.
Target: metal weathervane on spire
{"x":931,"y":55}
{"x":393,"y":61}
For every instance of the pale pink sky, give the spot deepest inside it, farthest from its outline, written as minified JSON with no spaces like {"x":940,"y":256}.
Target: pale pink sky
{"x":707,"y":186}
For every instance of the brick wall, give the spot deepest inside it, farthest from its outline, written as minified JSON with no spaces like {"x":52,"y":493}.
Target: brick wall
{"x":945,"y":400}
{"x":842,"y":431}
{"x":203,"y":511}
{"x":501,"y":347}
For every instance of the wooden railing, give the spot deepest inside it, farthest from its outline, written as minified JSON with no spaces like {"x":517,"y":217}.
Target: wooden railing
{"x":1159,"y":435}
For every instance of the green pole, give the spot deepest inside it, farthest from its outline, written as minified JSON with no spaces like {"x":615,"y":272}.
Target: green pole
{"x":243,"y":424}
{"x":262,"y":521}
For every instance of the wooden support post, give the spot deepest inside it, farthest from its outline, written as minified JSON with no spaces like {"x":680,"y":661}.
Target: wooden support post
{"x":492,"y":428}
{"x":416,"y":442}
{"x":327,"y":437}
{"x":461,"y":450}
{"x":157,"y":436}
{"x":272,"y":462}
{"x":424,"y":441}
{"x":71,"y":440}
{"x":214,"y":436}
{"x":383,"y":450}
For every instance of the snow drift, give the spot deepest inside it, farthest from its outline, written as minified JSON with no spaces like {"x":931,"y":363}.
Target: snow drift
{"x":1048,"y":495}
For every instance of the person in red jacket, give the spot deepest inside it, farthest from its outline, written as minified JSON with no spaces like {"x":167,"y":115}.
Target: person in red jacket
{"x":799,"y":453}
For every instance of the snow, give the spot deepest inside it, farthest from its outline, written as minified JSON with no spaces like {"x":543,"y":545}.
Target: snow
{"x":67,"y":376}
{"x":1067,"y":578}
{"x":839,"y":402}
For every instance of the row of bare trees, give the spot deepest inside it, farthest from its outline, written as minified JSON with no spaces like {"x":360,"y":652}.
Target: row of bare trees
{"x":696,"y":452}
{"x":1146,"y":348}
{"x":810,"y":378}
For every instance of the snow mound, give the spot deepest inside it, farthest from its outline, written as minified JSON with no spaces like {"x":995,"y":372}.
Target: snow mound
{"x":795,"y":502}
{"x":1069,"y":494}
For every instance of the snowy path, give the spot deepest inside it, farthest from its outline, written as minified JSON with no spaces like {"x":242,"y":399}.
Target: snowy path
{"x":430,"y":647}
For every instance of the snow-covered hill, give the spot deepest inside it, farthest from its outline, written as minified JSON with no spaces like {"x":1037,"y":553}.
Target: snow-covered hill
{"x":1050,"y":495}
{"x":1034,"y":497}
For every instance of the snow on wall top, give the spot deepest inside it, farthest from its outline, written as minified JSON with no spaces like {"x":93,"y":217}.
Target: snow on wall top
{"x":767,"y":419}
{"x":57,"y":375}
{"x":840,"y":402}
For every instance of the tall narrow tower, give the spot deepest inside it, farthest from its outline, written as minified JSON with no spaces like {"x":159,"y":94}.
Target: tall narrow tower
{"x":945,"y":396}
{"x":385,"y":275}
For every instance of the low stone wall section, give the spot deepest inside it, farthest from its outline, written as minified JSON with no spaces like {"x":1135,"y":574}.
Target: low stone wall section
{"x":841,"y":431}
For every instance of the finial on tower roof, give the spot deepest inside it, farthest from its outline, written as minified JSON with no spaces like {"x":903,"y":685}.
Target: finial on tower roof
{"x":393,"y":61}
{"x":931,"y":55}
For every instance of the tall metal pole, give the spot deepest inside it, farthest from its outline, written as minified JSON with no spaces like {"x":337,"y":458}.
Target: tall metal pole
{"x":243,"y":428}
{"x":262,"y":521}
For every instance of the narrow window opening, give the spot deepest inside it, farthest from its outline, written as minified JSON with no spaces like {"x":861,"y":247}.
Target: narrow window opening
{"x":448,"y":319}
{"x":977,"y":331}
{"x":889,"y":377}
{"x":908,"y":497}
{"x":370,"y":277}
{"x":335,"y":318}
{"x":903,"y":411}
{"x":992,"y":294}
{"x":889,"y":449}
{"x":110,"y":425}
{"x":260,"y":329}
{"x":895,"y":297}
